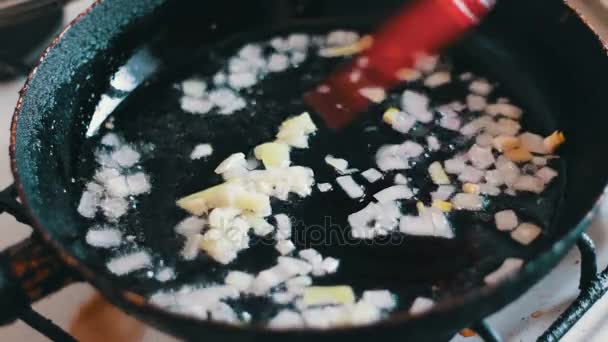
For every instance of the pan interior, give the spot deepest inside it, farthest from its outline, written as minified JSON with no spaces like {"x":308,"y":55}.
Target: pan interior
{"x":150,"y":117}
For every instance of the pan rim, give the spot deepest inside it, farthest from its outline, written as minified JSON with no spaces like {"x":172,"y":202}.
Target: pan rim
{"x":129,"y":300}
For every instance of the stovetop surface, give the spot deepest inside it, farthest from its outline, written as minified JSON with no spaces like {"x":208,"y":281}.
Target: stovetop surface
{"x":523,"y":320}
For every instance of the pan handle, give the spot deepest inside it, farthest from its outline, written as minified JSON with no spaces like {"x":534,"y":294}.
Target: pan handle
{"x":29,"y":270}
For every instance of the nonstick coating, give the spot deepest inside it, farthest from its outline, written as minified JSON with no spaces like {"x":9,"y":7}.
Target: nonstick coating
{"x":549,"y":62}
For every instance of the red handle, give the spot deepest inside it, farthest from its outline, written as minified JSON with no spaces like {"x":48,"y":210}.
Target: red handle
{"x":422,"y":27}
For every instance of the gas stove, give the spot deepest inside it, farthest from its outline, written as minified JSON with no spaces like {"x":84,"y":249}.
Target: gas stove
{"x":525,"y":319}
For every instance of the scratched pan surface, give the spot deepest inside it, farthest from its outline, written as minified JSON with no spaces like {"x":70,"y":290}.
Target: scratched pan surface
{"x":552,"y":84}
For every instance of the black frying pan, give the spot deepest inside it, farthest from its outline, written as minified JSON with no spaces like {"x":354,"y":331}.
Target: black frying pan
{"x":542,"y":52}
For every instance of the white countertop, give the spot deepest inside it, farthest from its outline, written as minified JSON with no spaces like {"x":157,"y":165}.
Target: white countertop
{"x":514,"y":323}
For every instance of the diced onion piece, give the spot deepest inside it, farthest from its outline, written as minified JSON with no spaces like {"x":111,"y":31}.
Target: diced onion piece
{"x":346,"y":50}
{"x":226,"y":195}
{"x":470,"y":174}
{"x":442,"y":205}
{"x":348,"y":184}
{"x":503,"y":143}
{"x":286,"y":319}
{"x":433,"y":143}
{"x":273,"y":154}
{"x":323,"y":295}
{"x":408,"y":75}
{"x":546,"y":174}
{"x":371,"y":175}
{"x":476,"y":103}
{"x":400,"y":179}
{"x":421,"y":305}
{"x":443,"y":192}
{"x":463,"y":201}
{"x":518,"y":155}
{"x":382,"y":299}
{"x":295,"y":131}
{"x":104,"y":237}
{"x":438,"y":174}
{"x":129,"y":263}
{"x":240,"y":280}
{"x":506,"y":127}
{"x":201,"y":151}
{"x":393,"y":193}
{"x":417,"y":105}
{"x":330,"y":265}
{"x":489,"y":189}
{"x":553,"y":141}
{"x":505,"y":109}
{"x":470,"y":188}
{"x":437,"y":79}
{"x":285,"y":247}
{"x":506,"y":270}
{"x":505,"y":220}
{"x":426,"y":63}
{"x":480,"y":87}
{"x":484,"y":140}
{"x":341,"y":165}
{"x":374,"y":94}
{"x":532,"y":142}
{"x":455,"y":165}
{"x":324,"y":187}
{"x":529,"y":183}
{"x":525,"y":233}
{"x":234,"y":161}
{"x":259,"y":225}
{"x":481,"y":157}
{"x":539,"y":161}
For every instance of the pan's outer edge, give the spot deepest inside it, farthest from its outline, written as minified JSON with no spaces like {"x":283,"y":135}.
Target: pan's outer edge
{"x":136,"y":301}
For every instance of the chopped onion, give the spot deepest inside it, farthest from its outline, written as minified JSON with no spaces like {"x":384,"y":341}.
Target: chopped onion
{"x":285,"y":247}
{"x":525,"y":233}
{"x":201,"y":151}
{"x":480,"y":87}
{"x":450,"y":122}
{"x":104,"y":237}
{"x":400,"y":179}
{"x":506,"y":220}
{"x":421,"y":305}
{"x":455,"y":165}
{"x":374,"y":94}
{"x":481,"y":157}
{"x":529,"y":183}
{"x":437,"y":79}
{"x":433,"y":143}
{"x":324,"y":187}
{"x":371,"y":175}
{"x":476,"y":103}
{"x":129,"y":263}
{"x":443,"y":192}
{"x":393,"y":193}
{"x":417,"y":105}
{"x":240,"y":280}
{"x":330,"y":265}
{"x":508,"y":268}
{"x":546,"y":174}
{"x":470,"y":175}
{"x":339,"y":164}
{"x":382,"y":299}
{"x":464,"y":201}
{"x":323,"y":295}
{"x":484,"y":140}
{"x":505,"y":109}
{"x":348,"y":184}
{"x":286,"y":319}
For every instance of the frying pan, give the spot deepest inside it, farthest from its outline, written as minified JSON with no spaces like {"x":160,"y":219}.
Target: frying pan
{"x":542,"y":51}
